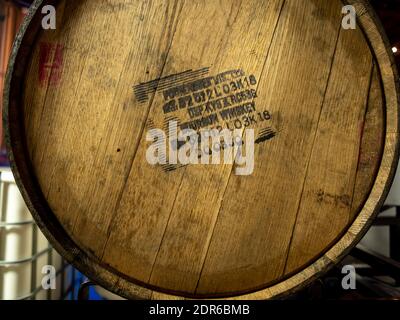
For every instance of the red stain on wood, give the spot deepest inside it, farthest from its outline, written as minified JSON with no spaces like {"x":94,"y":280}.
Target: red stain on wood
{"x":51,"y":57}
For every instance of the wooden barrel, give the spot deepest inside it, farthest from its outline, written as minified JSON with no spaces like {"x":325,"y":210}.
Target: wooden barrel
{"x":92,"y":109}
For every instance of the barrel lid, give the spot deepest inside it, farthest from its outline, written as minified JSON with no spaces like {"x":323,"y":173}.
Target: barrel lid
{"x":95,"y":110}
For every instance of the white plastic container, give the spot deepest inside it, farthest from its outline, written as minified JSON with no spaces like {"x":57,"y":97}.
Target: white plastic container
{"x":23,"y":248}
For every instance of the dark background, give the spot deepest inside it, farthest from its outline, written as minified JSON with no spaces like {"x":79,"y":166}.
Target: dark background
{"x":389,"y":13}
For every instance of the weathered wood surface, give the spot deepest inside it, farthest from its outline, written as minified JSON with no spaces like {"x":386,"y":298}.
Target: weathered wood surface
{"x":77,"y":139}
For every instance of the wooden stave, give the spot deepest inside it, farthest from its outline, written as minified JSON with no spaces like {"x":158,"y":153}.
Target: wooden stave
{"x":131,"y":288}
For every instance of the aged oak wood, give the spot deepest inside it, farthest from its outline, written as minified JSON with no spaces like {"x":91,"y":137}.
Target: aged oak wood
{"x":79,"y":101}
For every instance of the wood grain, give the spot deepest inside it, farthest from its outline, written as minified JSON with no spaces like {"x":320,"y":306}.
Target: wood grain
{"x":325,"y":204}
{"x":372,"y":144}
{"x":79,"y":147}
